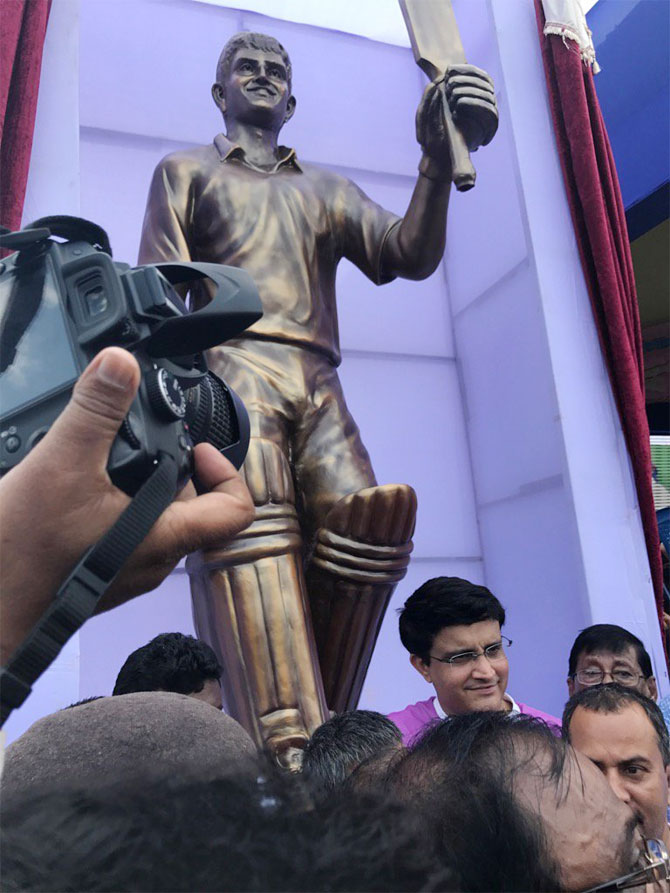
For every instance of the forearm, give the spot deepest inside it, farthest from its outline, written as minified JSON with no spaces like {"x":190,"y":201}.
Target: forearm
{"x":415,"y":248}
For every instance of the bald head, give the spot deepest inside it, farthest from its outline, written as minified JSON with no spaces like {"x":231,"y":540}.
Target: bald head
{"x":147,"y":736}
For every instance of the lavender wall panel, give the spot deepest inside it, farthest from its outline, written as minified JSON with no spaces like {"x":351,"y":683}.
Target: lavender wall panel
{"x":116,"y":170}
{"x":415,"y":434}
{"x":532,"y":566}
{"x":486,"y":235}
{"x":477,"y":36}
{"x":400,"y":317}
{"x":147,"y":66}
{"x":509,"y":388}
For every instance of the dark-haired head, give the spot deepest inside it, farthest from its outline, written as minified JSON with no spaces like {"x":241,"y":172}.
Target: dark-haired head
{"x":446,"y":626}
{"x":462,"y":774}
{"x":442,"y":602}
{"x":624,"y":734}
{"x":172,"y":662}
{"x":345,"y":741}
{"x":615,"y":699}
{"x":610,"y":653}
{"x":246,"y":833}
{"x":510,"y":801}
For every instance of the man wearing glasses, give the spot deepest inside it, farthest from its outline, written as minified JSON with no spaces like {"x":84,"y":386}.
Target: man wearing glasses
{"x":606,"y":653}
{"x":451,"y":628}
{"x":623,"y":733}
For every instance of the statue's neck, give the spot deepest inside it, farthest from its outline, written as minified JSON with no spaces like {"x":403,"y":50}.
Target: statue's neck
{"x":259,"y":144}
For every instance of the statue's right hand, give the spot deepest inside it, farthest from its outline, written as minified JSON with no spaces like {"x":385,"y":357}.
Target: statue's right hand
{"x":470,"y":95}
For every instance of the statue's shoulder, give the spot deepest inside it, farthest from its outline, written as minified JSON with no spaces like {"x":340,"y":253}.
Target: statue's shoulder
{"x":189,"y":163}
{"x":327,"y":178}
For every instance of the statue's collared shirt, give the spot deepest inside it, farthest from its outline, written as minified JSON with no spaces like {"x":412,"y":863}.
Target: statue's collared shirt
{"x":288,"y":227}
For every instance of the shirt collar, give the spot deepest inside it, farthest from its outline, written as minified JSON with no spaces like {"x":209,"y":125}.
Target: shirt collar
{"x":442,"y":715}
{"x":229,"y":150}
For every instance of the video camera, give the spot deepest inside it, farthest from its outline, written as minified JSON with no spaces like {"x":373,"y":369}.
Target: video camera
{"x":62,"y":302}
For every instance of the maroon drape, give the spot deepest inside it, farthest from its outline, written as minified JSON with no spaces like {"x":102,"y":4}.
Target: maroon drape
{"x":23,"y":25}
{"x":599,"y":221}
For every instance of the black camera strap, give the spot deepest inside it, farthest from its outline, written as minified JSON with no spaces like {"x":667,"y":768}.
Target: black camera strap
{"x":79,"y":595}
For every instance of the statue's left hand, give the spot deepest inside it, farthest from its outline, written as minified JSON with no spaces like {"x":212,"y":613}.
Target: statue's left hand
{"x":470,"y":93}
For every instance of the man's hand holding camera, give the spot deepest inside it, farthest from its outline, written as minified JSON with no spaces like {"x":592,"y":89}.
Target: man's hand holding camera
{"x":59,"y":501}
{"x":470,"y":95}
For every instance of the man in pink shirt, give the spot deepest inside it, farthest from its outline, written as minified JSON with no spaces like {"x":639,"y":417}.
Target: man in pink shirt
{"x":451,"y":629}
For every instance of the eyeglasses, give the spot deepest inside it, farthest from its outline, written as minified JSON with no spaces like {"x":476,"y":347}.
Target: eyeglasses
{"x":593,"y":676}
{"x":656,"y":870}
{"x":492,"y":653}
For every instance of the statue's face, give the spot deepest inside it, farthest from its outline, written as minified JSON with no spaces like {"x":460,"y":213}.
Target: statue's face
{"x":256,"y":89}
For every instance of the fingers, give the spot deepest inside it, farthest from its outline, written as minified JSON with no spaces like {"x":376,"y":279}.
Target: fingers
{"x":212,"y":468}
{"x":215,"y":516}
{"x":471,"y":98}
{"x":469,"y":71}
{"x":473,"y":105}
{"x":85,"y":430}
{"x":457,"y":91}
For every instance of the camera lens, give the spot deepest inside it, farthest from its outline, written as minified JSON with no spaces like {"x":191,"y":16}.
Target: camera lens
{"x":210,"y":413}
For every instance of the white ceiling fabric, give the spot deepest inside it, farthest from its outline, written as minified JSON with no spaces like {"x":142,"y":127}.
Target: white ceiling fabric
{"x":376,"y":19}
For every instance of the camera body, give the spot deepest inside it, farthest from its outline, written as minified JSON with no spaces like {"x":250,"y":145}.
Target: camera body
{"x":62,"y":302}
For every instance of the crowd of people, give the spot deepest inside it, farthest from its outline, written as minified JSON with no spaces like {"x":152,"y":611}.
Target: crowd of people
{"x":156,"y":788}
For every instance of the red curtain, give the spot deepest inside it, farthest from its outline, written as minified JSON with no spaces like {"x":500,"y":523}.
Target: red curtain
{"x":598,"y":217}
{"x":23,"y":25}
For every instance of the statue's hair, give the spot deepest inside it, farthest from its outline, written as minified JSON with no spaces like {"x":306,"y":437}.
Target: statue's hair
{"x":250,"y":40}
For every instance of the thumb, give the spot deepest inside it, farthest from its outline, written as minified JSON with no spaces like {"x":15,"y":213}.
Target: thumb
{"x":86,"y":428}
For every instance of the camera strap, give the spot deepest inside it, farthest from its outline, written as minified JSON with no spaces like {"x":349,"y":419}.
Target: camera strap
{"x":80,"y":594}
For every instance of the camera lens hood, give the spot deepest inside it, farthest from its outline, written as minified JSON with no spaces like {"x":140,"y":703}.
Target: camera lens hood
{"x":235,"y":306}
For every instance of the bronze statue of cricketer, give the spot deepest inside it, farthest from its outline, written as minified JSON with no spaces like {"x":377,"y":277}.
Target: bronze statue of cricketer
{"x":293,"y":605}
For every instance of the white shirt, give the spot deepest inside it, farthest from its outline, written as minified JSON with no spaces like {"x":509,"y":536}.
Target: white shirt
{"x":440,"y":712}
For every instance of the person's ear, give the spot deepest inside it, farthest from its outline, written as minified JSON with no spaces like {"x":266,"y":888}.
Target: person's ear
{"x":653,"y":689}
{"x":421,"y":667}
{"x":667,"y":775}
{"x":290,"y":108}
{"x":219,"y":97}
{"x":571,"y":686}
